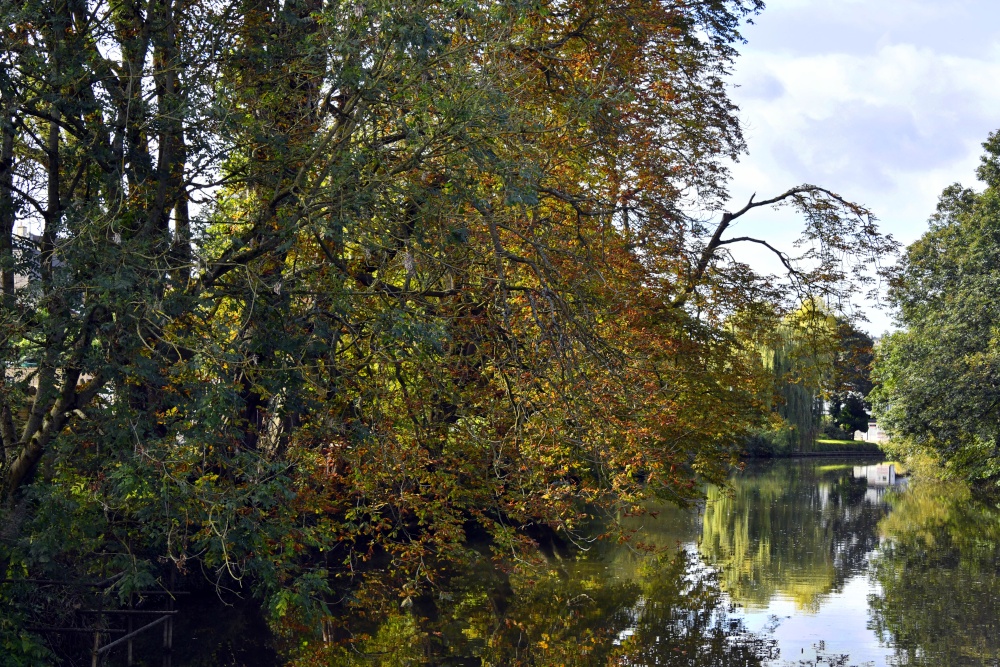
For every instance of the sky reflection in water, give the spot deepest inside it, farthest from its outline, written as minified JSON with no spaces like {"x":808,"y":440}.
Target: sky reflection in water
{"x":792,"y":540}
{"x":837,"y":567}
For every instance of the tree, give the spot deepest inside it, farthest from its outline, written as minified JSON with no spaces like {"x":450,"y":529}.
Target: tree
{"x":800,"y":356}
{"x":318,"y":288}
{"x":937,"y":379}
{"x":851,"y":379}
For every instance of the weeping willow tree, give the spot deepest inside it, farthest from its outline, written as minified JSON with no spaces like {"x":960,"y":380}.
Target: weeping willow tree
{"x":800,"y":358}
{"x":798,"y":398}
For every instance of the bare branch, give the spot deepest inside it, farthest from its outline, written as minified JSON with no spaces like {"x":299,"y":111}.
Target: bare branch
{"x":800,"y":195}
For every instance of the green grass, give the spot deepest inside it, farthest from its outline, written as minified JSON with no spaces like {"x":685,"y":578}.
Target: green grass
{"x":844,"y":443}
{"x":828,"y":445}
{"x":763,"y":449}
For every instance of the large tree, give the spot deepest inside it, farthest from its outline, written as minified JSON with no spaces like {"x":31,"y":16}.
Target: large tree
{"x":939,"y":377}
{"x":314,"y":289}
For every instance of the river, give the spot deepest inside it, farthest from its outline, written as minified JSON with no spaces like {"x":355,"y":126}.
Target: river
{"x":819,"y":561}
{"x":828,"y":562}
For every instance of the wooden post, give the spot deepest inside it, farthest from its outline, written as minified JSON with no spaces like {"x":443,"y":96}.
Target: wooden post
{"x":130,"y":661}
{"x":95,"y":657}
{"x":166,"y":643}
{"x":168,"y":627}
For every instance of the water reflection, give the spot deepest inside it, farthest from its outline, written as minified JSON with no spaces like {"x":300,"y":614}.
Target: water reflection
{"x":802,"y":562}
{"x":878,"y":476}
{"x":795,"y":529}
{"x":671,"y":612}
{"x":938,"y":572}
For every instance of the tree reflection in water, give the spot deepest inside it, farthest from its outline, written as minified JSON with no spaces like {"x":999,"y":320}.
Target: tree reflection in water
{"x":671,"y":612}
{"x":796,"y":530}
{"x":939,"y":575}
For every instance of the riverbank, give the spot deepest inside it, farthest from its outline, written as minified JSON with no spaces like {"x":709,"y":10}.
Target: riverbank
{"x":821,"y":447}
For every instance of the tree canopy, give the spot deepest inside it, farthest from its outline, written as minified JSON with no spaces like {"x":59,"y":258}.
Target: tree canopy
{"x":851,"y":379}
{"x":937,"y":379}
{"x":304,"y":293}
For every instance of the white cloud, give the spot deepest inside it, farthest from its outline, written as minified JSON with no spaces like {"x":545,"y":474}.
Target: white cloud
{"x":885,"y":102}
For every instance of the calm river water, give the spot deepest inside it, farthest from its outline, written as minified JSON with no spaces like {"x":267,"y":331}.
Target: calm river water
{"x":819,"y":561}
{"x":824,"y":562}
{"x":800,"y":562}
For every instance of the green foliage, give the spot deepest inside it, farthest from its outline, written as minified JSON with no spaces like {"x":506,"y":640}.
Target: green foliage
{"x":849,"y":414}
{"x":19,"y":648}
{"x":815,"y":358}
{"x":851,"y":382}
{"x":938,"y":377}
{"x":800,"y":359}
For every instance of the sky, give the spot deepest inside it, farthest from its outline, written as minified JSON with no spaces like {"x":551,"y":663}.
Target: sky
{"x":885,"y":102}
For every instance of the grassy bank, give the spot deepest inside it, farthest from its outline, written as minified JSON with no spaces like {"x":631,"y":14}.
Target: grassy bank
{"x":822,"y":446}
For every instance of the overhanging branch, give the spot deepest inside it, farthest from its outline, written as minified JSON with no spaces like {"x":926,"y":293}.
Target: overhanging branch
{"x":697,"y":276}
